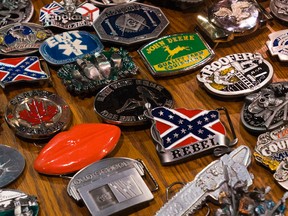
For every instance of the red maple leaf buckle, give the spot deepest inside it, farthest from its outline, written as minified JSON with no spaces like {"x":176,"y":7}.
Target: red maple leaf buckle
{"x":38,"y":113}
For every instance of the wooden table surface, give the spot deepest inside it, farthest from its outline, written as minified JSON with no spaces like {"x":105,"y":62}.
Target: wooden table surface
{"x":137,"y":143}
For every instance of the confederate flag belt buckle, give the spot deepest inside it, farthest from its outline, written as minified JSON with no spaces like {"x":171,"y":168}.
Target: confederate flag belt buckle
{"x":112,"y":185}
{"x":181,"y":133}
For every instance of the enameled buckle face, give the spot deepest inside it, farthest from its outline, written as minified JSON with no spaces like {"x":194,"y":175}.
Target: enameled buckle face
{"x":176,"y":54}
{"x":12,"y":164}
{"x":236,"y":75}
{"x":271,"y":150}
{"x":69,"y":46}
{"x":267,"y":109}
{"x":14,"y":11}
{"x":227,"y":19}
{"x":234,"y":16}
{"x":22,"y":38}
{"x":134,"y":94}
{"x":279,"y":8}
{"x":93,"y":72}
{"x":68,"y":16}
{"x":110,"y":185}
{"x":182,"y":133}
{"x":21,"y":69}
{"x":12,"y":201}
{"x":129,"y":24}
{"x":37,"y":114}
{"x":277,"y":44}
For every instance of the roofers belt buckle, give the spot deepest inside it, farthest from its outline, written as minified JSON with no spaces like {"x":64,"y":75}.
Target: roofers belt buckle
{"x":181,"y":133}
{"x":111,"y":185}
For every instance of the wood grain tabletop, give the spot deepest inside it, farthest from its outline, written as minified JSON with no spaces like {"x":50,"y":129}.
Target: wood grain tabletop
{"x":136,"y":142}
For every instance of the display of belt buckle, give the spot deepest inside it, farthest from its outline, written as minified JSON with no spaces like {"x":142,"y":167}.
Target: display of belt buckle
{"x":236,"y":75}
{"x":130,"y":24}
{"x":267,"y":109}
{"x":180,"y":133}
{"x":279,"y":9}
{"x":112,"y":185}
{"x":22,"y":69}
{"x":271,"y":151}
{"x":12,"y":164}
{"x":123,"y":102}
{"x":69,"y":46}
{"x":14,"y":11}
{"x":108,"y":3}
{"x":22,"y":38}
{"x":68,"y":15}
{"x":15,"y":202}
{"x":176,"y":54}
{"x":93,"y":72}
{"x":278,"y":44}
{"x":227,"y":19}
{"x":37,"y":114}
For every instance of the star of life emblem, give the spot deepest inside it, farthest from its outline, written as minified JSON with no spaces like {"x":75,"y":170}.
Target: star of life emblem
{"x":69,"y":46}
{"x":181,"y":133}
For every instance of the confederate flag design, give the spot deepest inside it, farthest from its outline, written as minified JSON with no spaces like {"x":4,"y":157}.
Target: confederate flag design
{"x":22,"y":68}
{"x":181,"y":127}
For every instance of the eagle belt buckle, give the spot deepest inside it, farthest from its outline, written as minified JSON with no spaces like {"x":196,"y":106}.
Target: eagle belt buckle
{"x":180,"y":133}
{"x":112,"y":185}
{"x":227,"y":19}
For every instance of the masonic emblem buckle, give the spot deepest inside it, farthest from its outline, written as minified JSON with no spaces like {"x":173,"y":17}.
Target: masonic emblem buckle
{"x":130,"y":24}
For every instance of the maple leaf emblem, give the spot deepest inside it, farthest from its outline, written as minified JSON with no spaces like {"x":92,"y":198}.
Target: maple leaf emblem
{"x":38,"y":113}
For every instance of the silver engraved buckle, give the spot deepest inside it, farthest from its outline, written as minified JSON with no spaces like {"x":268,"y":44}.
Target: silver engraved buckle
{"x":112,"y":185}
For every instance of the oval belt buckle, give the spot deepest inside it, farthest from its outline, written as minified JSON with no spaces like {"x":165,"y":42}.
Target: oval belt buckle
{"x":228,"y":19}
{"x":181,"y":133}
{"x":112,"y":185}
{"x":271,"y":150}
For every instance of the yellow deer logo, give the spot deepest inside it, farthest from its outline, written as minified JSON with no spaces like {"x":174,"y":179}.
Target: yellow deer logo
{"x":174,"y":51}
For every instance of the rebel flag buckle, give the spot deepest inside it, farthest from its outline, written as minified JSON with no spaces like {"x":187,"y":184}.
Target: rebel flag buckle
{"x":22,"y":69}
{"x":182,"y":133}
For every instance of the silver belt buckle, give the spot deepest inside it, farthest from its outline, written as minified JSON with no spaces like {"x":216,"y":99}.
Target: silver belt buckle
{"x":111,"y":185}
